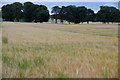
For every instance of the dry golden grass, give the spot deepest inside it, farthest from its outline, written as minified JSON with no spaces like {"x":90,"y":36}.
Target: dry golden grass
{"x":0,"y":51}
{"x":35,"y":50}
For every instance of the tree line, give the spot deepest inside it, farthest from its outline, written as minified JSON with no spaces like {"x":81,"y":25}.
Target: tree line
{"x":81,"y":14}
{"x":29,"y":12}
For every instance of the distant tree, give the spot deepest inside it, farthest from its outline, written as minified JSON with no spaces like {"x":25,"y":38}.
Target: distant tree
{"x":108,"y":14}
{"x":55,"y":11}
{"x":63,"y":14}
{"x":114,"y":14}
{"x":118,"y":17}
{"x":7,"y":12}
{"x":76,"y":14}
{"x":41,"y":14}
{"x":28,"y":10}
{"x":90,"y":16}
{"x":17,"y":11}
{"x":70,"y":13}
{"x":82,"y":14}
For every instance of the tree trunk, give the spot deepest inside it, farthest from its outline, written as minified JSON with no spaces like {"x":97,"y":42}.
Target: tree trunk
{"x":62,"y":21}
{"x":17,"y":20}
{"x":104,"y":22}
{"x":56,"y":21}
{"x":87,"y":22}
{"x":69,"y":22}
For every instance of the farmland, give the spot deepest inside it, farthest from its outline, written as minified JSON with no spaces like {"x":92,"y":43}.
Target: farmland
{"x":46,"y":50}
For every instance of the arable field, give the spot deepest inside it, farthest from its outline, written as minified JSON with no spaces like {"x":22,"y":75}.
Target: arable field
{"x":0,"y":50}
{"x":44,"y":50}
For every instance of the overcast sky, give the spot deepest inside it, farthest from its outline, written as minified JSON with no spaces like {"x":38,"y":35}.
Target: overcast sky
{"x":61,"y":0}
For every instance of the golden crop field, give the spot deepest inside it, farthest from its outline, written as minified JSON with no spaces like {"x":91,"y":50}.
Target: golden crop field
{"x":44,"y":50}
{"x":0,"y":50}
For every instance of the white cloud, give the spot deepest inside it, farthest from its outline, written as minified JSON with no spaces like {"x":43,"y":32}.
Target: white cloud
{"x":60,"y":0}
{"x":109,"y":4}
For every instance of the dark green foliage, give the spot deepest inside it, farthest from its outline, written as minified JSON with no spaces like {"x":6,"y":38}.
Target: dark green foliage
{"x":108,"y":14}
{"x":27,"y":12}
{"x":81,"y":14}
{"x":68,"y":13}
{"x":11,"y":12}
{"x":90,"y":16}
{"x":56,"y":10}
{"x":17,"y":11}
{"x":62,"y":14}
{"x":7,"y":12}
{"x":41,"y":14}
{"x":73,"y":14}
{"x":30,"y":12}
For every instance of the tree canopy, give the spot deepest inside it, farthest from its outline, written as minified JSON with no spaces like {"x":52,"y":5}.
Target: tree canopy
{"x":81,"y":14}
{"x":30,"y":12}
{"x":108,"y":14}
{"x":41,"y":14}
{"x":17,"y":10}
{"x":55,"y":11}
{"x":7,"y":13}
{"x":27,"y":11}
